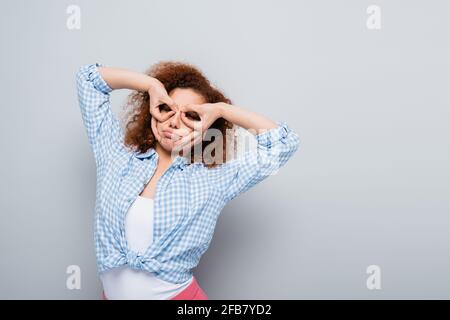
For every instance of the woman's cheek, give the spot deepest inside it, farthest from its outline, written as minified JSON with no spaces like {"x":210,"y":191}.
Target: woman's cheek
{"x":155,"y":129}
{"x":184,"y":131}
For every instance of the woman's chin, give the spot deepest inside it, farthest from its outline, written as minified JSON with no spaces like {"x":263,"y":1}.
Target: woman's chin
{"x":167,"y":144}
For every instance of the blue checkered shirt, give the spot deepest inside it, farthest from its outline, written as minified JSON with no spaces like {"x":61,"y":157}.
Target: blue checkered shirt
{"x":188,"y":197}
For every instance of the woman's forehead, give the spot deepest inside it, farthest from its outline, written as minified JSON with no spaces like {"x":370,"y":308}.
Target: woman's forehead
{"x":183,"y":96}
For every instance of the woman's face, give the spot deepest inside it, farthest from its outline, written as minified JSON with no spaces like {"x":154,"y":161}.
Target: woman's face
{"x":174,"y":128}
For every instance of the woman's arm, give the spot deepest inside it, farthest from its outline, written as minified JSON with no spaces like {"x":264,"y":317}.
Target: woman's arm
{"x":94,"y":84}
{"x":120,"y":78}
{"x":254,"y":122}
{"x":102,"y":126}
{"x":210,"y":112}
{"x":276,"y":144}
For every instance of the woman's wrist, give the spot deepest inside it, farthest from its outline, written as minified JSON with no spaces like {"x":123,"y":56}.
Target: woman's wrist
{"x":224,"y":110}
{"x":152,"y":82}
{"x":143,"y":82}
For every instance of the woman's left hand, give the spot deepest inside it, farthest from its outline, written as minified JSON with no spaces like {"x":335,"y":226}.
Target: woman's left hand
{"x":199,"y":117}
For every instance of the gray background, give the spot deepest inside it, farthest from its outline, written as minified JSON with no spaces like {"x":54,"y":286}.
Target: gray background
{"x":369,"y":184}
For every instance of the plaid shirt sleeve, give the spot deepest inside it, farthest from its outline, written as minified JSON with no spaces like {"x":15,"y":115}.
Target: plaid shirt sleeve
{"x":102,"y":126}
{"x":274,"y":148}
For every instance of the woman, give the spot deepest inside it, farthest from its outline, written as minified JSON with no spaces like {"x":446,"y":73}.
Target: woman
{"x":161,"y":183}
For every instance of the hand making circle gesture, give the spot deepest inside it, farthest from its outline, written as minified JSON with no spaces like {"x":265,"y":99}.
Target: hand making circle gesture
{"x":199,"y":117}
{"x":158,"y":95}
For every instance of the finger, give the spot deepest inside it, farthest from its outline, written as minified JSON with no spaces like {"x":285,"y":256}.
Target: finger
{"x":198,"y":152}
{"x":198,"y":139}
{"x":155,"y":129}
{"x":155,"y":112}
{"x":190,"y":107}
{"x":165,"y":116}
{"x":169,"y":101}
{"x":183,"y":140}
{"x":186,"y":141}
{"x":161,"y":117}
{"x":190,"y":123}
{"x":187,"y":148}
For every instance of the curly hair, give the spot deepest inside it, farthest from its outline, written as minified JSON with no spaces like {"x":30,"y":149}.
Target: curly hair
{"x":173,"y":74}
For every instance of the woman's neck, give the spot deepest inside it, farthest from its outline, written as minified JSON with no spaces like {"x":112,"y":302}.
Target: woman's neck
{"x":165,"y":157}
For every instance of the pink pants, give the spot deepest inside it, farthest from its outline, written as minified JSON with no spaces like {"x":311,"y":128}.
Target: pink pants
{"x":192,"y":292}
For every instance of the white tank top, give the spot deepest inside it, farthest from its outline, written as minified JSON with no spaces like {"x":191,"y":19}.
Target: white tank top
{"x":127,"y":283}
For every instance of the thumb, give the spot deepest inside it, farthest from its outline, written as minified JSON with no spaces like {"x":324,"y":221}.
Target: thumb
{"x":169,"y":101}
{"x":189,"y":107}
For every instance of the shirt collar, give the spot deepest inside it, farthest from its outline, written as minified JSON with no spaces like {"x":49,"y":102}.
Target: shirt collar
{"x":179,"y":161}
{"x":149,"y":153}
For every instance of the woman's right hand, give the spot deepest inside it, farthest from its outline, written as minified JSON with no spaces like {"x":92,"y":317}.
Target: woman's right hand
{"x":158,"y":96}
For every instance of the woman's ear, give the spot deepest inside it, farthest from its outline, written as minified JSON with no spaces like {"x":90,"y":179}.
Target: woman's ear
{"x":155,"y":130}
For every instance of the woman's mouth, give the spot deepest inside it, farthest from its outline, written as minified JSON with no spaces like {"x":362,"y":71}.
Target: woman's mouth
{"x":167,"y":134}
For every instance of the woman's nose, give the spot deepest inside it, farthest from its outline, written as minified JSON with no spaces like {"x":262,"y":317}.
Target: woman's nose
{"x":175,"y":119}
